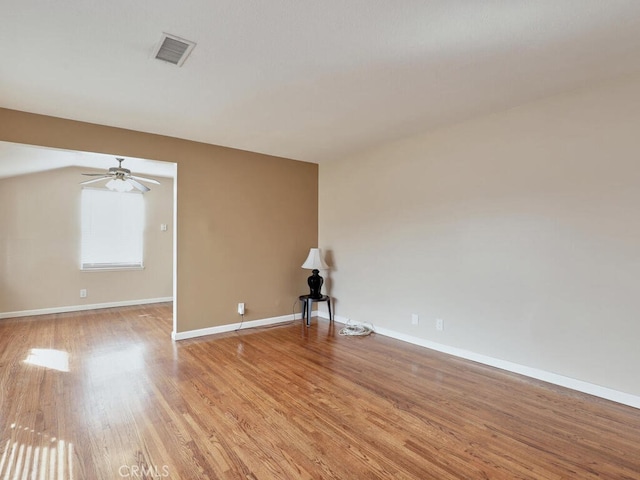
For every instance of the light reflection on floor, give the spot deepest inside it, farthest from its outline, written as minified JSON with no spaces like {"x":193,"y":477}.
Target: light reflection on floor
{"x":49,"y":358}
{"x":34,"y":455}
{"x":116,"y":361}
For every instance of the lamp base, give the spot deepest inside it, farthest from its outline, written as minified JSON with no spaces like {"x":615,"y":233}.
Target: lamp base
{"x":315,"y":282}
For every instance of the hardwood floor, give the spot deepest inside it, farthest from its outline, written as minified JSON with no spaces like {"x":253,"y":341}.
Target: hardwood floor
{"x":107,"y":395}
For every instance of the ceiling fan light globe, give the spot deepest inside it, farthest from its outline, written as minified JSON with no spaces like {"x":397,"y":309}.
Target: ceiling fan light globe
{"x":119,"y":185}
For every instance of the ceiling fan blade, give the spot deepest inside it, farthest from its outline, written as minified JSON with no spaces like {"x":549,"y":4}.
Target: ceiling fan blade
{"x":94,"y":174}
{"x":150,"y":180}
{"x":138,"y":185}
{"x":87,"y":182}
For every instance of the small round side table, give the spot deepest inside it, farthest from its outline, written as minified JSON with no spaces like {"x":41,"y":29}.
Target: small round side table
{"x":307,"y":303}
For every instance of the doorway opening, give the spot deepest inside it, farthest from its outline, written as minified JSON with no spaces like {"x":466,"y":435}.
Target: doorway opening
{"x":40,"y":210}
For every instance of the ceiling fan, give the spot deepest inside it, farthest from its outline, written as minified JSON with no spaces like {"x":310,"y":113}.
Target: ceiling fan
{"x":120,"y":179}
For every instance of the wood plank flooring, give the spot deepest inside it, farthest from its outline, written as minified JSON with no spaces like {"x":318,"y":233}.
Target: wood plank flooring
{"x":106,"y":395}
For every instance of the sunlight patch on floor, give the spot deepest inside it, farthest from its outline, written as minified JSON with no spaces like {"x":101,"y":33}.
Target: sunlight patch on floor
{"x":33,"y":455}
{"x":49,"y":358}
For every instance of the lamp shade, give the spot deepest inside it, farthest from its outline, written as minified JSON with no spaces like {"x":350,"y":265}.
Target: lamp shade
{"x":315,"y":261}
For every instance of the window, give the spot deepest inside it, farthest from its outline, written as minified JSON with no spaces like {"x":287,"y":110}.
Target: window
{"x":112,"y":229}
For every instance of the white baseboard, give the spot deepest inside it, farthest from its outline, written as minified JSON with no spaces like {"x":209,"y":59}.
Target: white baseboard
{"x":572,"y":383}
{"x":233,"y":326}
{"x":78,"y":308}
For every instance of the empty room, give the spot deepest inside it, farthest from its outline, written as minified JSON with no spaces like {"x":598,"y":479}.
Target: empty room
{"x":320,"y":240}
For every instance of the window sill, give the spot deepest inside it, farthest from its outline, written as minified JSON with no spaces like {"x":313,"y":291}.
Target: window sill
{"x":111,"y":268}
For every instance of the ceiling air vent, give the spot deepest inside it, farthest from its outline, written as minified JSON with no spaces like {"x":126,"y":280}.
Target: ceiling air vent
{"x":173,"y":49}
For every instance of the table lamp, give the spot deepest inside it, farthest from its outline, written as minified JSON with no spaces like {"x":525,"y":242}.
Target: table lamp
{"x":314,"y":262}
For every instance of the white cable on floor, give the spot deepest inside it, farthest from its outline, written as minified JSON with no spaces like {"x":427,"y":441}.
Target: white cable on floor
{"x":360,"y":330}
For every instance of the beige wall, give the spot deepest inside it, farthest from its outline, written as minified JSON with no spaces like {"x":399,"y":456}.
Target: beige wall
{"x":245,"y":221}
{"x":40,"y":244}
{"x":521,"y":230}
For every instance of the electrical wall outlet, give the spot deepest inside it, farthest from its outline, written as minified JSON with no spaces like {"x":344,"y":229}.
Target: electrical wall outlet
{"x":415,"y":319}
{"x":439,"y":324}
{"x":241,"y":308}
{"x":83,"y":293}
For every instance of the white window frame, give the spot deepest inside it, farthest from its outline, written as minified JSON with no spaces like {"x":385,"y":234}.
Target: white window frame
{"x":112,"y":228}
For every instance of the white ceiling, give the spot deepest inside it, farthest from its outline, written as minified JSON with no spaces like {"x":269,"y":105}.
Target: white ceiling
{"x":308,"y":80}
{"x":17,"y":159}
